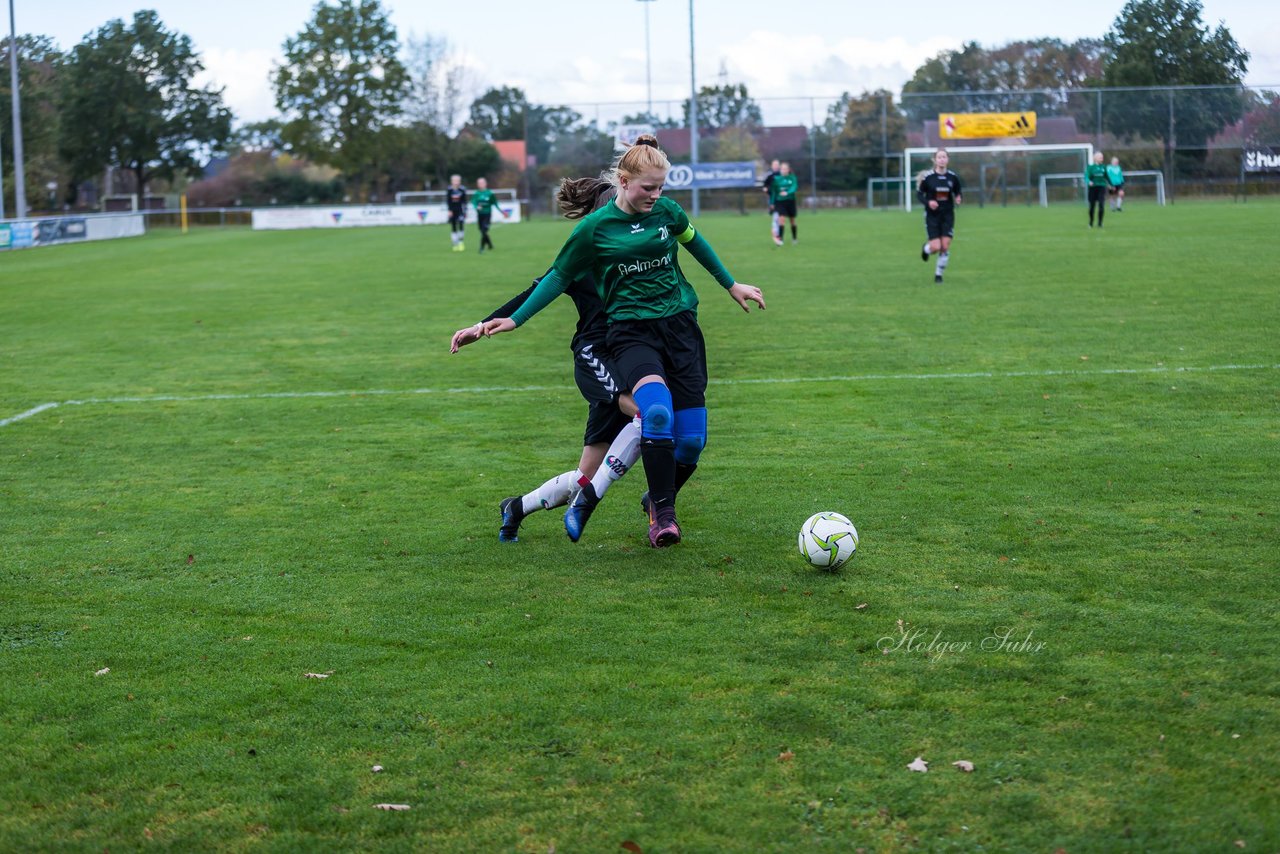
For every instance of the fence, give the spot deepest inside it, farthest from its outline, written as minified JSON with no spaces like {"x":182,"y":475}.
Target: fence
{"x":1196,"y":136}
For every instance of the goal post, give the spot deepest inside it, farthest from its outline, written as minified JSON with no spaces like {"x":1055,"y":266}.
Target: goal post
{"x":1077,"y":179}
{"x":990,"y":169}
{"x":893,"y":192}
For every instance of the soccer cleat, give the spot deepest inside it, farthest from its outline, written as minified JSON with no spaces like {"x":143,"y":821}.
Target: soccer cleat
{"x":777,"y":241}
{"x":937,"y":279}
{"x":512,"y":510}
{"x":646,"y":506}
{"x":924,"y":252}
{"x":579,"y":511}
{"x":664,"y":531}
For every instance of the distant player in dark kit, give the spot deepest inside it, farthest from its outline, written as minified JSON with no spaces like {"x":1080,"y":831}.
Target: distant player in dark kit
{"x":939,"y":192}
{"x":484,"y":201}
{"x":1095,"y":178}
{"x":783,"y":190}
{"x":456,"y":199}
{"x":767,"y":186}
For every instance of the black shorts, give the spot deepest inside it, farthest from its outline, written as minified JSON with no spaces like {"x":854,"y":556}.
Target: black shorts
{"x":1097,"y":194}
{"x":595,"y":378}
{"x":457,"y":218}
{"x":785,"y":207}
{"x":1115,"y":188}
{"x":483,"y":219}
{"x":671,"y":347}
{"x":940,"y":223}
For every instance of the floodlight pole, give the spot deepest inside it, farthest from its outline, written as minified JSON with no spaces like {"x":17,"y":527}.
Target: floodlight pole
{"x":19,"y":178}
{"x":693,"y":117}
{"x":648,"y":60}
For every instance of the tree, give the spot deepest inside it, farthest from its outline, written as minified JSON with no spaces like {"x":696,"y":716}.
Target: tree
{"x":39,"y":64}
{"x":340,"y":82}
{"x":128,"y":101}
{"x":1164,"y":43}
{"x":724,"y":106}
{"x":505,"y":113}
{"x":857,"y":135}
{"x":1031,"y":75}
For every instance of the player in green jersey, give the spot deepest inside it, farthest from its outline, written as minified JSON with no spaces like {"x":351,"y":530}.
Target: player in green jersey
{"x":1115,"y":177}
{"x":1095,"y":178}
{"x":782,"y":193}
{"x":630,"y":246}
{"x":484,"y":201}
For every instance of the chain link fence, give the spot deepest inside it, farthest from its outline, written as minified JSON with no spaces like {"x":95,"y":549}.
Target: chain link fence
{"x":1204,"y":140}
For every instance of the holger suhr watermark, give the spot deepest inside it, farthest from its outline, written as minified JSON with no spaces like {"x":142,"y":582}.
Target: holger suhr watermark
{"x":935,"y":646}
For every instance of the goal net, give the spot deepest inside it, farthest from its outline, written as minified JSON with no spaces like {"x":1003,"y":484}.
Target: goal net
{"x":1000,"y":174}
{"x":506,"y":197}
{"x":1070,"y":186}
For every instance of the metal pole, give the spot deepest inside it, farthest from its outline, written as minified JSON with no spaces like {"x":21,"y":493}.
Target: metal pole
{"x":19,"y":176}
{"x":813,"y":157}
{"x":648,"y":60}
{"x":1,"y":183}
{"x":693,"y":117}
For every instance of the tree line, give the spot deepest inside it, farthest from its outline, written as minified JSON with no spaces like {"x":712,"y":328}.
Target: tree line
{"x":362,"y":115}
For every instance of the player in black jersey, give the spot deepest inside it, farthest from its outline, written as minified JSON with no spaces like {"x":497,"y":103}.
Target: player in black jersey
{"x":611,"y":444}
{"x":456,"y":199}
{"x":939,"y":192}
{"x":775,"y":169}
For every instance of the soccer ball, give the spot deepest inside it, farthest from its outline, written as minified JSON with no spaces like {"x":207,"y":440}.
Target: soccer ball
{"x":828,"y":540}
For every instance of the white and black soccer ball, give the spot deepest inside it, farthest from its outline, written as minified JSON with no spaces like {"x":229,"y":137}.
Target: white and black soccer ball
{"x":828,"y":540}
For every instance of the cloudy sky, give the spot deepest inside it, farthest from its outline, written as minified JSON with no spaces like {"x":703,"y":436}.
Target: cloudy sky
{"x":795,"y":57}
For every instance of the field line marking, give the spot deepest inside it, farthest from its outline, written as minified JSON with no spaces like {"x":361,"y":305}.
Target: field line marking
{"x":35,"y":410}
{"x":384,"y":392}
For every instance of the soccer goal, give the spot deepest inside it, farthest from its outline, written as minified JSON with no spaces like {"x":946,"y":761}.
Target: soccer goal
{"x":120,"y":202}
{"x":888,"y":192}
{"x":1079,"y":192}
{"x":998,"y":174}
{"x":506,"y":197}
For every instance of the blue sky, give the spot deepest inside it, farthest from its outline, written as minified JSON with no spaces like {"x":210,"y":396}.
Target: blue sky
{"x":592,"y":52}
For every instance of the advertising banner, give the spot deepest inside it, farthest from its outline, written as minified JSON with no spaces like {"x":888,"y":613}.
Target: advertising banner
{"x":365,"y":216}
{"x":1261,"y":160}
{"x":985,"y":125}
{"x":710,"y":176}
{"x":47,"y":231}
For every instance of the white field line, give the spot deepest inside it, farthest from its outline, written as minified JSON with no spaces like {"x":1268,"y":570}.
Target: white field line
{"x":383,"y":392}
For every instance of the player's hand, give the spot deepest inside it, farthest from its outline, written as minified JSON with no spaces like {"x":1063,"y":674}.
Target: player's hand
{"x":959,"y":200}
{"x":742,"y":294}
{"x":498,"y":325}
{"x":933,"y":205}
{"x":463,"y":337}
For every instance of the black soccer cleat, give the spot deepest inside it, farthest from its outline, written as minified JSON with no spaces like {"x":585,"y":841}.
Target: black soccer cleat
{"x":579,"y":511}
{"x":924,"y":252}
{"x":647,"y":506}
{"x":512,"y":510}
{"x":937,"y":280}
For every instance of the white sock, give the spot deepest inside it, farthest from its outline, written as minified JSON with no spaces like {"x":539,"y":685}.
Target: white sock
{"x":925,"y":248}
{"x":622,"y":455}
{"x":942,"y":262}
{"x":553,"y":493}
{"x":773,"y":224}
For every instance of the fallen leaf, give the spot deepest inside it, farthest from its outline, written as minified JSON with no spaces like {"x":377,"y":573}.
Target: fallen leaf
{"x":103,"y":672}
{"x":860,"y":607}
{"x":786,"y":756}
{"x":317,"y":675}
{"x":966,"y":767}
{"x":376,"y":769}
{"x":632,"y":847}
{"x":1239,"y":843}
{"x":919,"y":765}
{"x":392,"y":807}
{"x":191,"y":559}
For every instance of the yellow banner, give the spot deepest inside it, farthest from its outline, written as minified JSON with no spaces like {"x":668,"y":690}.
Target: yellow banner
{"x":985,"y":125}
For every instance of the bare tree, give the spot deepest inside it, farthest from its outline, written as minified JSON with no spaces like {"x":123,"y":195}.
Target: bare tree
{"x":439,"y":84}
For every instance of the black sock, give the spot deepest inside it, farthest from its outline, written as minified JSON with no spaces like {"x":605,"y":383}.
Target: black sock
{"x":659,"y":457}
{"x":683,"y":472}
{"x":793,"y":231}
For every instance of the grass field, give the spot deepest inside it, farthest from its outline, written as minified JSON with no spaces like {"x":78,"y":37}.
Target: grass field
{"x":263,"y":463}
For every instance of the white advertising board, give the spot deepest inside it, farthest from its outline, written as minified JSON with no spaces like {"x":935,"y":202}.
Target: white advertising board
{"x":364,"y":216}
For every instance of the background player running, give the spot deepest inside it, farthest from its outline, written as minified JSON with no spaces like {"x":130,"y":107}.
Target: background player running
{"x":1115,"y":177}
{"x":784,"y":187}
{"x":939,"y":192}
{"x":484,"y":201}
{"x":1095,"y":177}
{"x":456,"y":199}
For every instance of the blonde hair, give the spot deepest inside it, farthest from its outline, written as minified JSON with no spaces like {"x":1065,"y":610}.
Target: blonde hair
{"x":644,"y":156}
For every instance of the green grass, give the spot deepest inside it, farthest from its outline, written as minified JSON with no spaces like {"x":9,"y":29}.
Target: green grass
{"x":1076,"y":438}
